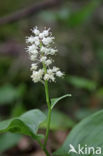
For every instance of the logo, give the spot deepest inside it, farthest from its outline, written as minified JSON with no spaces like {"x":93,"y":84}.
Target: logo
{"x":85,"y":150}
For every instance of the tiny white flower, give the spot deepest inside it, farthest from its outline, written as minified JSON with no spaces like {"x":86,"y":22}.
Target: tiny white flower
{"x":59,"y":74}
{"x":48,"y":40}
{"x":55,"y":69}
{"x":41,"y":71}
{"x":30,"y":39}
{"x":37,"y":75}
{"x":46,"y":32}
{"x":53,"y":51}
{"x":50,"y":71}
{"x":46,"y":77}
{"x":34,"y":52}
{"x":37,"y":41}
{"x":48,"y":62}
{"x":41,"y":35}
{"x":33,"y":57}
{"x":36,"y":31}
{"x":32,"y":49}
{"x":49,"y":77}
{"x":43,"y":58}
{"x":34,"y":66}
{"x":52,"y":78}
{"x":43,"y":49}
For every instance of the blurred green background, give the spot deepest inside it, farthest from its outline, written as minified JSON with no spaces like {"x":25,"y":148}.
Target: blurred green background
{"x":78,"y":28}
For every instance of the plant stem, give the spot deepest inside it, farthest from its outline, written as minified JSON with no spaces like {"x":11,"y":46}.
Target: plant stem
{"x":44,"y":148}
{"x":49,"y":108}
{"x":46,"y":152}
{"x":48,"y":128}
{"x":49,"y":113}
{"x":49,"y":118}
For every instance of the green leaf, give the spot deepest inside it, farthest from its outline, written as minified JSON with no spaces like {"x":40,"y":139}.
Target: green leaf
{"x":88,"y":132}
{"x":59,"y":121}
{"x":26,"y":124}
{"x":55,"y":100}
{"x":8,"y":140}
{"x":84,"y":112}
{"x":80,"y":82}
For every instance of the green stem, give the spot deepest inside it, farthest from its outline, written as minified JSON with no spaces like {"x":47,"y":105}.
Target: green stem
{"x":48,"y":127}
{"x":46,"y":152}
{"x":49,"y":118}
{"x":49,"y":108}
{"x":47,"y":94}
{"x":49,"y":113}
{"x":43,"y":148}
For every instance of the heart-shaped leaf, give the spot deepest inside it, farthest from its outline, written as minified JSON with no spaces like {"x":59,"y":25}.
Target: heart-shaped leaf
{"x":55,"y":100}
{"x":87,"y":133}
{"x":26,"y":124}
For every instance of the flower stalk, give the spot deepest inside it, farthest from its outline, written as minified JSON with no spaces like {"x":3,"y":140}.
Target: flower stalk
{"x":49,"y":112}
{"x":49,"y":107}
{"x":40,"y":50}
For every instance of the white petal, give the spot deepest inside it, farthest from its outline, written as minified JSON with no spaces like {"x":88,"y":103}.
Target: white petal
{"x":59,"y":74}
{"x":36,"y":31}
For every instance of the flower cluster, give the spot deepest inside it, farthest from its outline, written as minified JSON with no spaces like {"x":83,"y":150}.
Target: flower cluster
{"x":40,"y":51}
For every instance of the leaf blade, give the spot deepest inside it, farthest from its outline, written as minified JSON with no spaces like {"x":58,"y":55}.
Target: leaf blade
{"x":55,"y":100}
{"x":84,"y":134}
{"x":26,"y":124}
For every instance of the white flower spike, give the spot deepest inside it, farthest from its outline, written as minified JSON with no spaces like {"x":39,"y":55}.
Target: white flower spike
{"x":40,"y":49}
